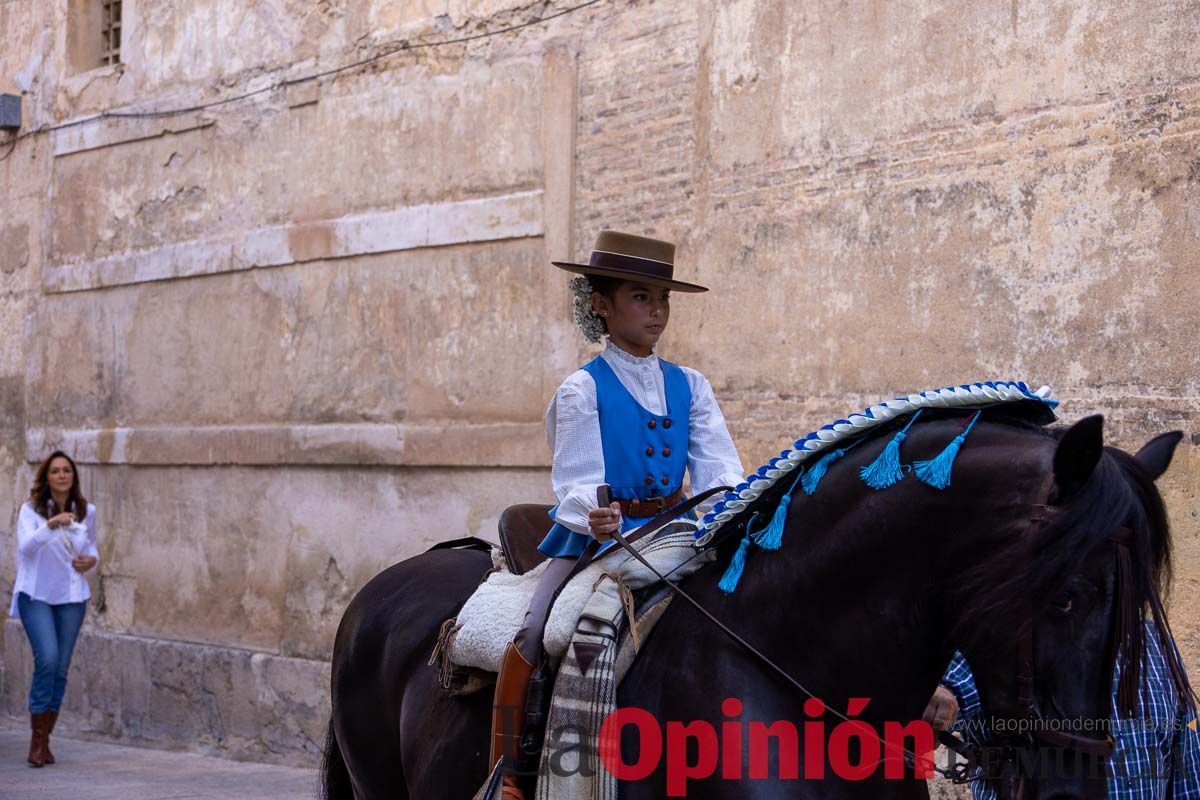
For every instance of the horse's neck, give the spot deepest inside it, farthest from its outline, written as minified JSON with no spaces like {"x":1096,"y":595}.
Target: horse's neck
{"x":855,"y":601}
{"x":858,"y":609}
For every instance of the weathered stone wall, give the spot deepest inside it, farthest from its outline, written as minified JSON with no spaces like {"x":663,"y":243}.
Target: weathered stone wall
{"x":297,"y":337}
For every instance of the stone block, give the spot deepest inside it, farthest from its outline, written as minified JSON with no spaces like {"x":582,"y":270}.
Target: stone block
{"x":281,"y":582}
{"x":322,"y":342}
{"x":14,"y":248}
{"x":180,"y":695}
{"x":148,"y":193}
{"x":116,"y":601}
{"x":822,"y":81}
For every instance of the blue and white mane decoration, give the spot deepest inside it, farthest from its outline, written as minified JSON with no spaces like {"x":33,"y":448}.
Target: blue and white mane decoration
{"x":811,"y":456}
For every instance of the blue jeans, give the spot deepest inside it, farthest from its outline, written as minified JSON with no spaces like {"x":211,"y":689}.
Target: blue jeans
{"x":52,"y":630}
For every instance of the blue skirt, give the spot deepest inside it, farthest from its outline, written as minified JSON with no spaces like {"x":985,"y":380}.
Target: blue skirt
{"x":562,"y":542}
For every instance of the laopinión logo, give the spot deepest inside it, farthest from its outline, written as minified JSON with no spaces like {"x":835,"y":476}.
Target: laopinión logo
{"x":740,"y":749}
{"x":853,"y":750}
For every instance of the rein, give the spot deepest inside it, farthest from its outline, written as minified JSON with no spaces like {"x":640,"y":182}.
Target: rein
{"x":1027,"y":707}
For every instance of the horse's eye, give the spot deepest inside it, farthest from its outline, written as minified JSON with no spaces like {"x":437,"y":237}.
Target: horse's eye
{"x":1062,"y":603}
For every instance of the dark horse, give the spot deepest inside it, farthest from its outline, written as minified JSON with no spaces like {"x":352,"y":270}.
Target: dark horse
{"x":869,"y":597}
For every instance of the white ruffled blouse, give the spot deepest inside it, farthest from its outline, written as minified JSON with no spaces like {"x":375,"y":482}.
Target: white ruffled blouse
{"x":44,"y":570}
{"x":573,"y":432}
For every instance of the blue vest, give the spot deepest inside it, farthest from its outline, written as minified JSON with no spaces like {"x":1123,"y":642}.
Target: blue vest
{"x":645,"y":455}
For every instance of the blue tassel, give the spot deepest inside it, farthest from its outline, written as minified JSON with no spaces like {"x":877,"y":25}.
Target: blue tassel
{"x":885,"y":470}
{"x":817,"y":471}
{"x":737,"y":565}
{"x":771,"y":537}
{"x":936,"y":471}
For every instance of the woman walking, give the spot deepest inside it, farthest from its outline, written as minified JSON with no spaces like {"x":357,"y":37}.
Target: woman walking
{"x":56,"y":545}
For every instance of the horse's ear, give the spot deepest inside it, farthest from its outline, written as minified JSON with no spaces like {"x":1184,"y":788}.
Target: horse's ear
{"x":1156,"y":454}
{"x":1078,"y":453}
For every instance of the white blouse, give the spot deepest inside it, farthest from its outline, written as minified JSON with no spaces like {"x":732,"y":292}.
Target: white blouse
{"x":573,"y":432}
{"x":44,"y":570}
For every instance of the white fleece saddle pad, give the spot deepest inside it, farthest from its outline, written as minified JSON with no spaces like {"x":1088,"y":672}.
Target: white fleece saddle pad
{"x":492,"y":615}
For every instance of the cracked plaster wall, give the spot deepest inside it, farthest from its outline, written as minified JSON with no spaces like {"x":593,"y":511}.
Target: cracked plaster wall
{"x":883,"y":200}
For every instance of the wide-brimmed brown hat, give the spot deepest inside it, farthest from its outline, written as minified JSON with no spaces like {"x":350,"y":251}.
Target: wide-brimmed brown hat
{"x":632,"y":258}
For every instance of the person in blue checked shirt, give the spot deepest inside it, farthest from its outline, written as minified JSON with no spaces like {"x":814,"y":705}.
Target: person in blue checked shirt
{"x":626,"y":419}
{"x":1157,"y":754}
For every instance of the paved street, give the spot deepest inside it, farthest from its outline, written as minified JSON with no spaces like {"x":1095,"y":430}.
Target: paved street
{"x":111,"y":772}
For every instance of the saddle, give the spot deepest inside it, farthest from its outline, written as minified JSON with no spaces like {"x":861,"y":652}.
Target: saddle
{"x":522,"y":528}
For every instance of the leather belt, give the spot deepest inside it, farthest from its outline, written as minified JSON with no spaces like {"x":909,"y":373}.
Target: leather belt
{"x":648,"y":508}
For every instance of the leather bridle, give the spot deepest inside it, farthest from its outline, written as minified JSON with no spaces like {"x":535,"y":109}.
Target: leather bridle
{"x":1002,"y":750}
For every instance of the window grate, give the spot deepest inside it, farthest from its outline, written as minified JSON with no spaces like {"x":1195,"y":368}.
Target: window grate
{"x":111,"y":33}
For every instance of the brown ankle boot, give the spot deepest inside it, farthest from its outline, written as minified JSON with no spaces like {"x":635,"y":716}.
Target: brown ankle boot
{"x":50,"y":730}
{"x":512,"y":684}
{"x":39,"y":741}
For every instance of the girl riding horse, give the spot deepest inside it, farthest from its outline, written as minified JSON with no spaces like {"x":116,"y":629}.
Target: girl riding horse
{"x":627,"y":419}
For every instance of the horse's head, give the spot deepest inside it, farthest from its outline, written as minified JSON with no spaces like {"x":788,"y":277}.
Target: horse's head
{"x":1050,"y":613}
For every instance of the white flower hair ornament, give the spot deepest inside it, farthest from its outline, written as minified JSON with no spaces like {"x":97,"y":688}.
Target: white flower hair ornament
{"x":585,"y":316}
